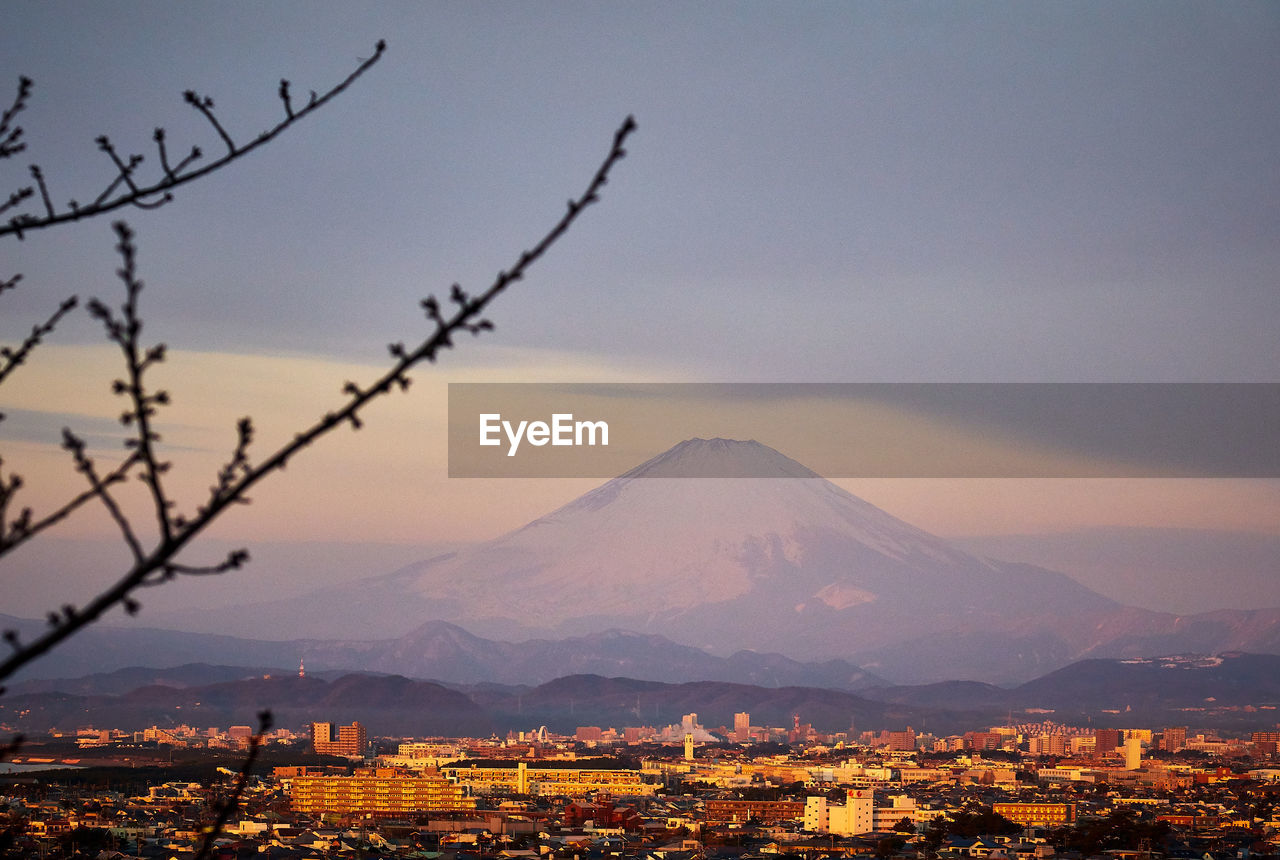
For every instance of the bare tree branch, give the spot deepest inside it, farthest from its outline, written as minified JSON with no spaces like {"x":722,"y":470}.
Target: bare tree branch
{"x":11,"y":358}
{"x":101,"y":490}
{"x":126,"y":333}
{"x":228,"y":807}
{"x":239,"y":475}
{"x":11,"y":142}
{"x":124,"y":190}
{"x":23,"y":528}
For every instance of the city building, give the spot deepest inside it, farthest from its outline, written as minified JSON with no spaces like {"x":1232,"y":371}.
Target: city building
{"x":900,"y":806}
{"x":350,"y":741}
{"x":852,"y":817}
{"x":1037,"y":814}
{"x":741,"y":811}
{"x":380,"y":792}
{"x":1055,"y":745}
{"x":518,"y":777}
{"x":1174,"y":739}
{"x":1107,"y":741}
{"x":904,"y":741}
{"x":1133,"y":753}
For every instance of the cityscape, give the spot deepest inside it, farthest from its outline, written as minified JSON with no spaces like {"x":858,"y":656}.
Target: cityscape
{"x":865,"y":448}
{"x":1027,"y":790}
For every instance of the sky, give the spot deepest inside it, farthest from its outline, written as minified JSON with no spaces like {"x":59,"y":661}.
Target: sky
{"x":819,"y":192}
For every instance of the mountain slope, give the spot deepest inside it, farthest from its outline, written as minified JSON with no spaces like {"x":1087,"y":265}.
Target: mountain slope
{"x":787,"y":564}
{"x":792,"y":564}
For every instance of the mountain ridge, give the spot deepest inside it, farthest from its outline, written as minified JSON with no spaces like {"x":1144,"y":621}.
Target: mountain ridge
{"x":1233,"y":691}
{"x":436,"y":649}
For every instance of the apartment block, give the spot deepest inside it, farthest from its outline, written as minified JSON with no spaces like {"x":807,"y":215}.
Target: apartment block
{"x":350,"y":741}
{"x":382,"y":792}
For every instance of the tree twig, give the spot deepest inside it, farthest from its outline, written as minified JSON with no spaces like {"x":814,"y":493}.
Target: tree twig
{"x":24,"y":527}
{"x":228,"y":807}
{"x":123,"y":190}
{"x":11,"y":142}
{"x":239,"y":476}
{"x":10,"y":359}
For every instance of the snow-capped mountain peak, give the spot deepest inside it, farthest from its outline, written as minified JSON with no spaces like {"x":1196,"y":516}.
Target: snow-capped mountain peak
{"x":791,"y":563}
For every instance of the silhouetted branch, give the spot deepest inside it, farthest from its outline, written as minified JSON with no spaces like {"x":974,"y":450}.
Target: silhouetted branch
{"x":124,"y":189}
{"x":100,"y":489}
{"x":21,"y":528}
{"x":11,"y":358}
{"x":228,"y":807}
{"x":125,"y":333}
{"x":24,"y":528}
{"x":204,"y":104}
{"x":154,"y":566}
{"x":11,"y":142}
{"x":239,"y":474}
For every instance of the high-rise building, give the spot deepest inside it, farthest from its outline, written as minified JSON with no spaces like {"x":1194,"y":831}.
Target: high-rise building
{"x":742,"y":727}
{"x":983,"y":741}
{"x":1174,"y":738}
{"x":1266,"y":742}
{"x":1108,"y":740}
{"x":1048,"y":744}
{"x":903,"y":741}
{"x":1133,"y":753}
{"x":350,"y":741}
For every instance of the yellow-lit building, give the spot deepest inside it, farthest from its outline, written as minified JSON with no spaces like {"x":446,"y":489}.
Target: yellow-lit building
{"x":350,"y":741}
{"x":764,"y":811}
{"x":514,"y":777}
{"x":384,"y":791}
{"x":1037,"y":814}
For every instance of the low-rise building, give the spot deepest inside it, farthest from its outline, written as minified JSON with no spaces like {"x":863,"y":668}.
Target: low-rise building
{"x":381,"y":791}
{"x":518,"y":777}
{"x":762,"y":811}
{"x":1037,"y":814}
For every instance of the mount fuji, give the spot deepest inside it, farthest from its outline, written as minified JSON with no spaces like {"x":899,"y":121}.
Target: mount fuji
{"x":782,"y":567}
{"x":791,"y":564}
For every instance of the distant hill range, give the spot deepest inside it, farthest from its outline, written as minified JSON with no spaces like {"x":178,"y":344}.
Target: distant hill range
{"x":778,"y":580}
{"x":437,"y":650}
{"x":1231,"y":691}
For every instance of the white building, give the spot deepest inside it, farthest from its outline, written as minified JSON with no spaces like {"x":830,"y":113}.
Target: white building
{"x":847,"y":819}
{"x":900,"y":806}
